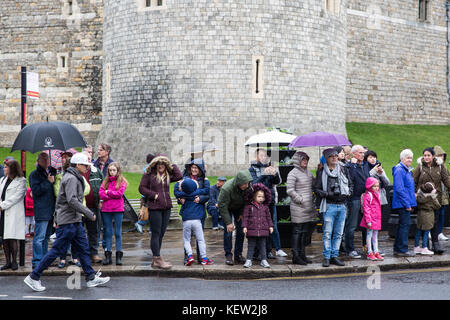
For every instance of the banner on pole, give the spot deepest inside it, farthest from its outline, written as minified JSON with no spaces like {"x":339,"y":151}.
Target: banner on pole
{"x":33,"y":85}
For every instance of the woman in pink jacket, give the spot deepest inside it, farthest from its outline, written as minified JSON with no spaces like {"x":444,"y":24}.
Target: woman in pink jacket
{"x":371,"y":220}
{"x":111,"y":195}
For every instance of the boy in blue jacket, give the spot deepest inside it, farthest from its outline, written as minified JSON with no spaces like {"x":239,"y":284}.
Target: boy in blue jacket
{"x":192,"y":213}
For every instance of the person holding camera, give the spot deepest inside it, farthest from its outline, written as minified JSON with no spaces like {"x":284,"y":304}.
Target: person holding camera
{"x":334,"y":187}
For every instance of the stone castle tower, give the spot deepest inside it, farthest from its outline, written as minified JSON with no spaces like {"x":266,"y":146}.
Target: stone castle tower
{"x":157,"y":75}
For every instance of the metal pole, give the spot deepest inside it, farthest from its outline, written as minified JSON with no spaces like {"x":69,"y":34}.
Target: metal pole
{"x":23,"y":154}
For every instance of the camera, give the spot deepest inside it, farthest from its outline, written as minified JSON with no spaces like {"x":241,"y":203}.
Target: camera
{"x":335,"y":189}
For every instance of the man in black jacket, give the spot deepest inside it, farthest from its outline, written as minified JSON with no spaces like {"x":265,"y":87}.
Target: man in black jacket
{"x":333,"y":186}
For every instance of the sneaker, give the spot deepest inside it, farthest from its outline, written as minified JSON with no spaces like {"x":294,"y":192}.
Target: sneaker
{"x":248,"y":263}
{"x":61,"y":264}
{"x":378,"y":256}
{"x":265,"y":264}
{"x":381,"y":253}
{"x":138,"y":228}
{"x":417,"y":250}
{"x":34,"y":284}
{"x":28,"y":235}
{"x":281,"y":253}
{"x":269,"y":256}
{"x":207,"y":261}
{"x":215,"y":228}
{"x":427,"y":252}
{"x":229,"y":260}
{"x":404,"y":254}
{"x":189,"y":260}
{"x":442,"y":237}
{"x":53,"y":236}
{"x":371,"y":256}
{"x":221,"y":227}
{"x":354,"y":255}
{"x":97,"y":280}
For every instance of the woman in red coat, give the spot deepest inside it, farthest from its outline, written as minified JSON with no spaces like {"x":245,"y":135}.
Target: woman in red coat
{"x":257,"y":223}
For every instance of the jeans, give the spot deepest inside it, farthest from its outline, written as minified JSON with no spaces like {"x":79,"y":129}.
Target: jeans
{"x":333,"y":227}
{"x":401,"y":236}
{"x":256,"y":242}
{"x":196,"y":227}
{"x":441,"y":221}
{"x":228,"y":240}
{"x":108,"y":218}
{"x":92,"y":229}
{"x":42,"y":233}
{"x":275,"y":235}
{"x":351,"y":224}
{"x":214,"y":213}
{"x":424,"y":234}
{"x":67,"y":234}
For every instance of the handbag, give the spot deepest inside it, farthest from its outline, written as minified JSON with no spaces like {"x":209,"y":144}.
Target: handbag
{"x":143,"y":213}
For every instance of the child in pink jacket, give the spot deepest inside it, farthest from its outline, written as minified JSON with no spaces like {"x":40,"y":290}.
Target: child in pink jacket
{"x":111,"y":196}
{"x":371,"y":207}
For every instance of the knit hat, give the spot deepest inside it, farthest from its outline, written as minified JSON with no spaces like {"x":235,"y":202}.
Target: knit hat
{"x":329,"y":152}
{"x":221,"y":179}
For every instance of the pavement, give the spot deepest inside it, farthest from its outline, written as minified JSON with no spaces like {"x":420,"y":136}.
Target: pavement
{"x":137,"y":259}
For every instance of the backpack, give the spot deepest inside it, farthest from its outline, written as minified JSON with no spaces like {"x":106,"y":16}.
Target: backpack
{"x":362,"y":200}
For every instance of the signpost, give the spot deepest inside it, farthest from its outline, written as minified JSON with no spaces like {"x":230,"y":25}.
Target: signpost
{"x":30,"y":88}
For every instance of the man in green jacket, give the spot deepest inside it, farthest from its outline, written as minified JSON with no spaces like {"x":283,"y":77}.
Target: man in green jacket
{"x":231,"y":205}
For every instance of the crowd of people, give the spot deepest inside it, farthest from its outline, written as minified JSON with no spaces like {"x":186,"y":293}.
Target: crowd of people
{"x":84,"y":199}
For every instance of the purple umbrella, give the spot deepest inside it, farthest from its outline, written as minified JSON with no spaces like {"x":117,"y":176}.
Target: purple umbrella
{"x":320,"y":139}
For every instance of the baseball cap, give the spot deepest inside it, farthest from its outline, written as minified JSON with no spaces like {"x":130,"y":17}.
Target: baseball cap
{"x":80,"y":158}
{"x":222,"y":179}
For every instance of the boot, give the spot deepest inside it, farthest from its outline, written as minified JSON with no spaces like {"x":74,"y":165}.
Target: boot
{"x":107,"y":259}
{"x":437,"y":248}
{"x":119,"y":255}
{"x":302,"y":251}
{"x":158,"y":262}
{"x":296,"y":258}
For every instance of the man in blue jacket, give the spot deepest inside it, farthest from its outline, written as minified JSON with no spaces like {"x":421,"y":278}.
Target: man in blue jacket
{"x":41,"y":184}
{"x":403,"y":201}
{"x":359,"y":172}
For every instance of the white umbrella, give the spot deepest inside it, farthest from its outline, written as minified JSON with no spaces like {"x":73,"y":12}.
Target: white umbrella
{"x":271,"y":137}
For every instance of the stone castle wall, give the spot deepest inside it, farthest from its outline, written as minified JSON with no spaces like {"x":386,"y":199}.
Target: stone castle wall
{"x":38,"y":34}
{"x":397,"y":65}
{"x":190,"y":65}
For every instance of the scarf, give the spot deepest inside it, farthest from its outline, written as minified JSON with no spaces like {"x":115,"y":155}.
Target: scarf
{"x":342,"y":179}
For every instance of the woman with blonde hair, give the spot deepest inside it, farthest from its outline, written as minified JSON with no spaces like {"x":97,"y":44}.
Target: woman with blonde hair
{"x":111,"y":194}
{"x":155,"y":184}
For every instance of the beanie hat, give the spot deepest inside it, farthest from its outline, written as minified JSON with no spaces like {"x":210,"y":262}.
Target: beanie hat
{"x":329,"y":152}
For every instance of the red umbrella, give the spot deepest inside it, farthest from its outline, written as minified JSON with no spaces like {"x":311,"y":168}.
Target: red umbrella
{"x":56,"y":157}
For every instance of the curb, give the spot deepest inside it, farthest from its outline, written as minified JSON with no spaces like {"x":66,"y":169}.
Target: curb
{"x":222,"y":272}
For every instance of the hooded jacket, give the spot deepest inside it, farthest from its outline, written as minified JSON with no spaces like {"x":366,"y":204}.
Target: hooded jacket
{"x":436,"y":174}
{"x":188,"y":189}
{"x":427,"y":203}
{"x":232,"y":198}
{"x":150,"y":186}
{"x":69,"y":204}
{"x":371,"y":206}
{"x":445,"y":195}
{"x":299,"y":187}
{"x":256,"y":217}
{"x":202,"y":180}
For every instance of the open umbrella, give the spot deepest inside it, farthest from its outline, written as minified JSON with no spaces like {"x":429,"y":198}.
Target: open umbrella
{"x":274,"y":137}
{"x":47,"y":136}
{"x":56,"y":157}
{"x":319,"y":139}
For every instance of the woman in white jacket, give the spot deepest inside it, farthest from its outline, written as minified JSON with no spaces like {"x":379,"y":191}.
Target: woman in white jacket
{"x":13,"y":188}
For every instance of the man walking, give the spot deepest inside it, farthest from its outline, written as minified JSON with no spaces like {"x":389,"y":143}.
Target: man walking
{"x":41,"y":184}
{"x":69,"y":210}
{"x":231,"y":205}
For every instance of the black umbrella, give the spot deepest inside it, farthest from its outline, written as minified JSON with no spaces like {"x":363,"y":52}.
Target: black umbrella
{"x":47,"y":136}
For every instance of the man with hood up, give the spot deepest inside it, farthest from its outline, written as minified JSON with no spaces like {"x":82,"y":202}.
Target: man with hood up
{"x":231,"y":205}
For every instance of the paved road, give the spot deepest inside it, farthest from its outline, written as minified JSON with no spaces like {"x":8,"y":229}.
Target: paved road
{"x":431,"y":284}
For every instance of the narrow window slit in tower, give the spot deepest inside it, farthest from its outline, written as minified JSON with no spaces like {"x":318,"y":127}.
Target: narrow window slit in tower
{"x":257,"y":76}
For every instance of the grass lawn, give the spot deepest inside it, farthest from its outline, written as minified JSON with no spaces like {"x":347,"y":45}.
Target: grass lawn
{"x":387,"y":140}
